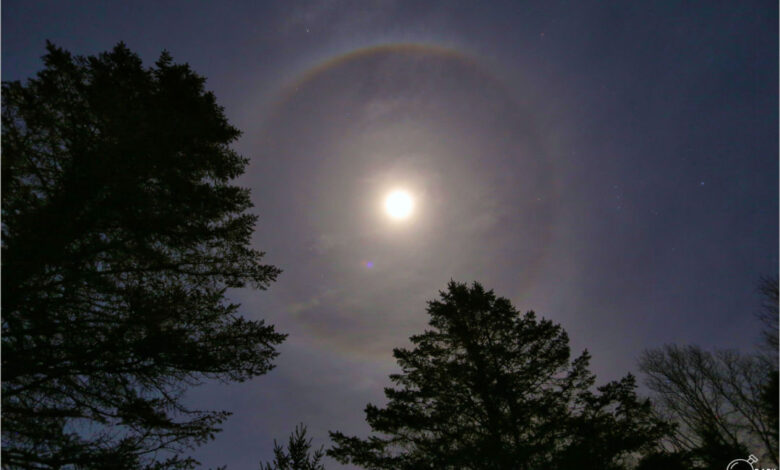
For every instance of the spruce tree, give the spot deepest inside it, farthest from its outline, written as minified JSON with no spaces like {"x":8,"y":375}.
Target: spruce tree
{"x":486,"y":387}
{"x":298,"y":455}
{"x":121,"y":234}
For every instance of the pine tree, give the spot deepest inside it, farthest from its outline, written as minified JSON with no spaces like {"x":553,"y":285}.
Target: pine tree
{"x":298,"y":455}
{"x":121,"y":235}
{"x":488,"y":388}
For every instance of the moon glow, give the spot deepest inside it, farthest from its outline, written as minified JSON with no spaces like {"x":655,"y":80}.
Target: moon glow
{"x":399,"y":204}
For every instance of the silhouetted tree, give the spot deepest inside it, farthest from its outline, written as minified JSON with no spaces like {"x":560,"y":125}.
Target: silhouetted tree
{"x":769,"y":314}
{"x":716,"y":399}
{"x":488,"y":388}
{"x":298,"y":455}
{"x":664,"y":460}
{"x":725,"y":403}
{"x":769,"y":317}
{"x":715,"y":451}
{"x":121,"y":233}
{"x":771,"y":411}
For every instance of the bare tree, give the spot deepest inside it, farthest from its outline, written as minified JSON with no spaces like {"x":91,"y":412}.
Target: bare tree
{"x":769,"y":314}
{"x":715,"y":398}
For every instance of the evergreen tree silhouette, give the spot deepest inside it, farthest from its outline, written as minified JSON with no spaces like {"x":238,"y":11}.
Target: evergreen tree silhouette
{"x":488,"y":388}
{"x":298,"y":455}
{"x":121,"y":235}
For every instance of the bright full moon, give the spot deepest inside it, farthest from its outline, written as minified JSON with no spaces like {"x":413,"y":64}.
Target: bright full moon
{"x":399,"y":204}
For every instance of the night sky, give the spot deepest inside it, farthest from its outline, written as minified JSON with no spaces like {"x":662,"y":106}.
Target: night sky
{"x":612,"y":166}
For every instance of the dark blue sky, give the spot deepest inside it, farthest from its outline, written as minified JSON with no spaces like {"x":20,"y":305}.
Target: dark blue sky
{"x":610,"y":165}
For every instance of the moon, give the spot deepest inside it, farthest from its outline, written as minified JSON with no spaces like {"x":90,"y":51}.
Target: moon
{"x":399,"y":204}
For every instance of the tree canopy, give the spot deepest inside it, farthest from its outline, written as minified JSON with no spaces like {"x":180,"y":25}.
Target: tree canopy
{"x":489,"y":388}
{"x":121,"y":235}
